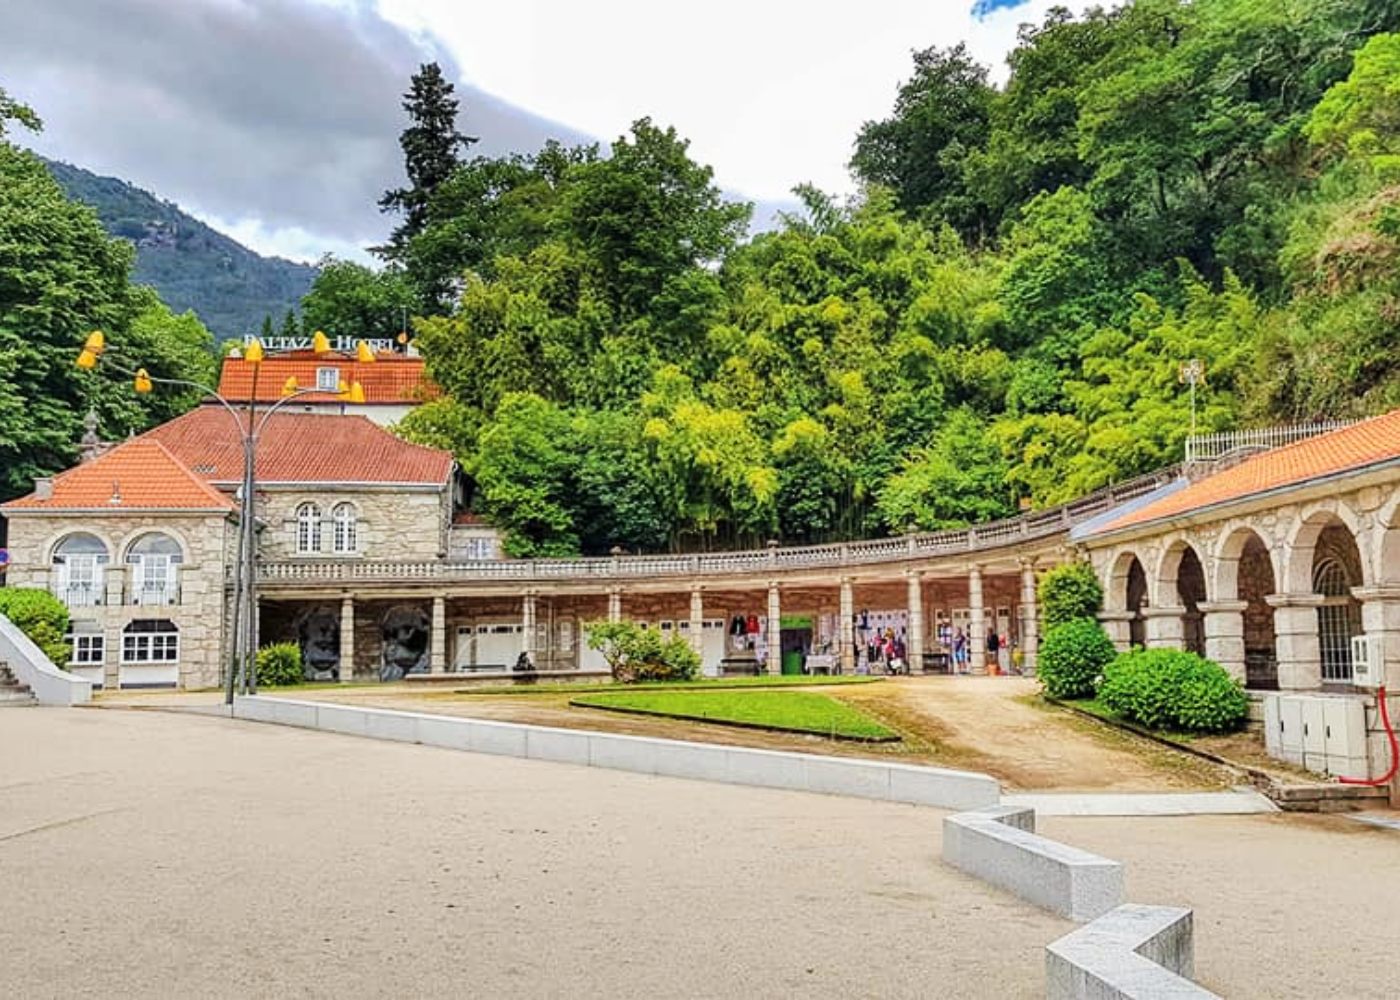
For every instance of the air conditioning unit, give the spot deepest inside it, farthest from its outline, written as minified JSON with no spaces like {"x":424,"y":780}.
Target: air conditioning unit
{"x":1368,"y":661}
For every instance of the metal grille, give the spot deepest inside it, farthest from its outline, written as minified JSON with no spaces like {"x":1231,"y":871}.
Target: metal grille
{"x":1337,"y":621}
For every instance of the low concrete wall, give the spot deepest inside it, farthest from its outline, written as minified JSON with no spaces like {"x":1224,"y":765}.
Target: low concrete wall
{"x":926,"y":786}
{"x":51,"y":686}
{"x":1131,"y":953}
{"x":1000,"y":845}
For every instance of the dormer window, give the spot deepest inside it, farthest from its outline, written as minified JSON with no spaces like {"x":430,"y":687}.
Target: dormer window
{"x":328,"y":379}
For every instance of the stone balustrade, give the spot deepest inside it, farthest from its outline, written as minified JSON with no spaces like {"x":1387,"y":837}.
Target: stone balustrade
{"x":997,"y":534}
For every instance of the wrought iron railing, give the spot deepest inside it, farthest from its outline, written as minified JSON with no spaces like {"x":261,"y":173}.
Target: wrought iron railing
{"x":1229,"y":444}
{"x":993,"y":535}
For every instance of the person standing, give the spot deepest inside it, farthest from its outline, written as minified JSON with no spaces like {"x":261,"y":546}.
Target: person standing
{"x":993,"y":651}
{"x":959,"y":651}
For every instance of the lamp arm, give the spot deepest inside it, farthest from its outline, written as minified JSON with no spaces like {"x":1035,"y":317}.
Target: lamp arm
{"x":186,"y":383}
{"x":309,"y":391}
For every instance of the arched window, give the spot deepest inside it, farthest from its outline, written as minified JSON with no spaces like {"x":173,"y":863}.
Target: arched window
{"x":79,"y":562}
{"x":343,"y":521}
{"x":308,"y":528}
{"x":1338,"y":619}
{"x":154,"y":559}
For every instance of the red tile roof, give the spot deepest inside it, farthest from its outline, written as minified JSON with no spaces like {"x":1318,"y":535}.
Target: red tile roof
{"x":391,"y":379}
{"x":1366,"y":443}
{"x":300,"y":448}
{"x":140,"y":474}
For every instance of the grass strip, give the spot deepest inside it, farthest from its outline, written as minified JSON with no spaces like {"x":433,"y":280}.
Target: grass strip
{"x":778,"y":711}
{"x":569,"y":687}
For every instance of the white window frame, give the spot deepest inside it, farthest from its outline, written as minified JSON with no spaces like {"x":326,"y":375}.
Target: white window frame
{"x":344,"y":528}
{"x":88,"y":649}
{"x":155,"y":576}
{"x":328,"y":379}
{"x":90,"y":590}
{"x":308,"y":528}
{"x":150,"y":648}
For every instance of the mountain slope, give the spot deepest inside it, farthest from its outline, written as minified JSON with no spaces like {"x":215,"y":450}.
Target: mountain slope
{"x":192,"y":266}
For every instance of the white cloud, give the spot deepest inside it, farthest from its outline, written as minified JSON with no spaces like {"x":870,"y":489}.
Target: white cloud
{"x":770,"y":93}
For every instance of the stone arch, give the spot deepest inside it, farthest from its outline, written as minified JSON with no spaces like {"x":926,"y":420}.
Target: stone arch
{"x":1338,"y":568}
{"x":1245,"y":574}
{"x":1302,"y":544}
{"x":1388,"y":544}
{"x":1126,"y":595}
{"x":1116,"y":586}
{"x":1181,"y":583}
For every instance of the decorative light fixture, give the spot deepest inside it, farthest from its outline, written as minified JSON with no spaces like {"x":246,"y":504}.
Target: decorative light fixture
{"x":254,"y":352}
{"x":289,"y":386}
{"x":142,"y":381}
{"x":363,"y":353}
{"x":320,"y":344}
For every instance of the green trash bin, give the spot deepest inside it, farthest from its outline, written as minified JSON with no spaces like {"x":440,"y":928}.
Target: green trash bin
{"x":792,"y":663}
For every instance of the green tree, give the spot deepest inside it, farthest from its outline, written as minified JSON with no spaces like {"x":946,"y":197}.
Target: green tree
{"x":351,"y":300}
{"x":525,"y":472}
{"x":940,"y":115}
{"x":12,"y":110}
{"x":430,"y":144}
{"x":957,"y":480}
{"x":1069,"y":591}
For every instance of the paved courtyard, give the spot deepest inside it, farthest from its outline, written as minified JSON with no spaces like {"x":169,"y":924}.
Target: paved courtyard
{"x":159,"y":854}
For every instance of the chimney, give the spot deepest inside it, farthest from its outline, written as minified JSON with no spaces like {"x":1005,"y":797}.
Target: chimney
{"x":43,"y":489}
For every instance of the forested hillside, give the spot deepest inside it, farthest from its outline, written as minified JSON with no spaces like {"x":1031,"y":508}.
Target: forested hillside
{"x":998,"y":320}
{"x":61,"y":277}
{"x":231,"y":288}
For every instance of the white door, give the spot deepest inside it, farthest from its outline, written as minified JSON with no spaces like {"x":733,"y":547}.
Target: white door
{"x":499,"y":645}
{"x":462,"y":652}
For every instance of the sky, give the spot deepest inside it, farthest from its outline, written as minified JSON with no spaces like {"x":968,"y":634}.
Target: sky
{"x":276,"y":121}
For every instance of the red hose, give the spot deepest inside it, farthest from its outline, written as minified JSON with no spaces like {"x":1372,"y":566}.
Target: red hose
{"x":1394,"y":749}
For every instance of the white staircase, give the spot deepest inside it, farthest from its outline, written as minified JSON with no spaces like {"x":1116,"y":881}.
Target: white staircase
{"x":13,"y":694}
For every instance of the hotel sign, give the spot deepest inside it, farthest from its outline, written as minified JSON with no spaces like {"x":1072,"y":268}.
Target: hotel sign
{"x":344,"y":345}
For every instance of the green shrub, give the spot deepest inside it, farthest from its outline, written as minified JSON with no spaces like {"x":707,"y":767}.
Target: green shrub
{"x":41,"y":616}
{"x":279,"y":665}
{"x":1068,"y":592}
{"x":637,"y":654}
{"x":1172,"y":689}
{"x":1072,"y":658}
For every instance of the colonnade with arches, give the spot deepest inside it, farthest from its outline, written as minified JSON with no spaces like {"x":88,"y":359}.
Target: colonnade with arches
{"x":1274,"y":594}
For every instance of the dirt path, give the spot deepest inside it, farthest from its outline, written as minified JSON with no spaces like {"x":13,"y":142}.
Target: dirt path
{"x":998,"y":725}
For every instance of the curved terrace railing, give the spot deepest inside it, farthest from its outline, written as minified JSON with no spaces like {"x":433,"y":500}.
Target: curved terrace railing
{"x":981,"y":537}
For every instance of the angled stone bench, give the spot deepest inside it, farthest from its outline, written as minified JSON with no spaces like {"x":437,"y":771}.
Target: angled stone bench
{"x":1132,"y":952}
{"x":999,"y":845}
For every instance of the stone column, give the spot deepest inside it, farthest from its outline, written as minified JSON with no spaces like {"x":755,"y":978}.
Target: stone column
{"x":345,"y":669}
{"x":845,"y":624}
{"x":615,"y":605}
{"x":1224,"y":629}
{"x":915,"y":601}
{"x":528,"y":605}
{"x":775,"y":630}
{"x":1030,"y":618}
{"x":1165,"y":628}
{"x":697,"y":621}
{"x":114,"y":578}
{"x":1380,"y":615}
{"x":437,"y":651}
{"x":976,"y":622}
{"x":1296,"y":643}
{"x":1118,"y":625}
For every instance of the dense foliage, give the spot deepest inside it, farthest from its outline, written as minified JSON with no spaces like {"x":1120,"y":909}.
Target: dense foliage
{"x":998,"y":320}
{"x":39,"y":615}
{"x":193,"y":267}
{"x":279,"y":665}
{"x":636,"y":653}
{"x":1073,"y":657}
{"x":62,"y":276}
{"x":1171,"y":689}
{"x":1069,"y":591}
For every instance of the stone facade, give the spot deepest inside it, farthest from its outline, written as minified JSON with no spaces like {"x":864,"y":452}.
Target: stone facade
{"x":407,"y":523}
{"x":207,"y":544}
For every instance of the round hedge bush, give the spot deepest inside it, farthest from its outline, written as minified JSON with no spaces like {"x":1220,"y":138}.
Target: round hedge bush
{"x":41,"y":616}
{"x":1172,"y":689}
{"x":1072,"y":657}
{"x":279,"y":665}
{"x":1068,"y":592}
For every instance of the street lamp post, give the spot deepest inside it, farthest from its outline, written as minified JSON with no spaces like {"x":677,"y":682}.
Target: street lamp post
{"x":245,"y":574}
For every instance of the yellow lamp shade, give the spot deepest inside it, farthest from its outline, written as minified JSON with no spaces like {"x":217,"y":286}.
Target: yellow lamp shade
{"x":96,"y":343}
{"x":363,"y":353}
{"x":253,"y":353}
{"x":86,"y":359}
{"x":320,"y":343}
{"x":342,"y":388}
{"x":403,"y":337}
{"x":356,"y":394}
{"x":290,"y":386}
{"x":142,"y":382}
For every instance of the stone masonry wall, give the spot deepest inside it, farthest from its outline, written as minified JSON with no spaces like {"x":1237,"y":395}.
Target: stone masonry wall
{"x":407,"y":525}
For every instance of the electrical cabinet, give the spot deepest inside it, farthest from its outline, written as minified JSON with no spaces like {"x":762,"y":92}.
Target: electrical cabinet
{"x":1323,"y":733}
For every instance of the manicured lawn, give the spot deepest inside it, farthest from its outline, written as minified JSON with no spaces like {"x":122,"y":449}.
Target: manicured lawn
{"x":789,"y":711}
{"x":773,"y":681}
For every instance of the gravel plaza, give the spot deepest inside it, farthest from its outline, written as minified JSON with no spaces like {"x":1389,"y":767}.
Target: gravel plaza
{"x":164,"y":854}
